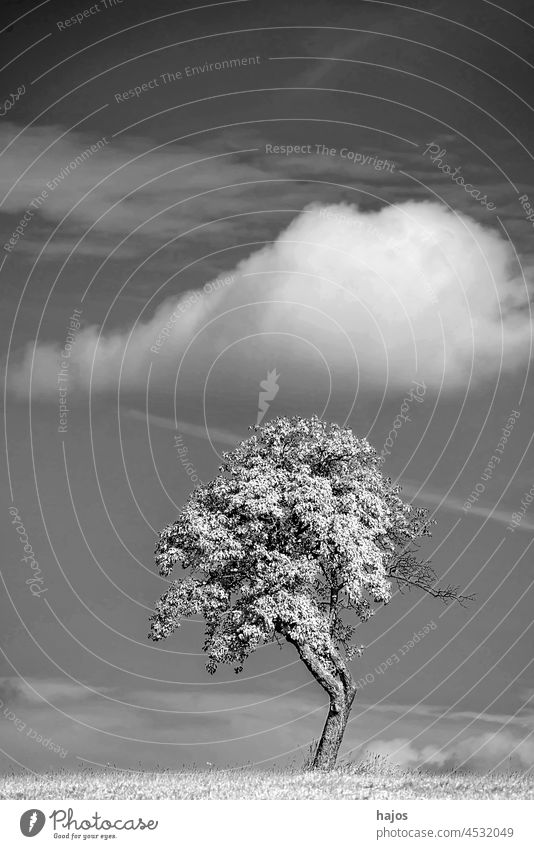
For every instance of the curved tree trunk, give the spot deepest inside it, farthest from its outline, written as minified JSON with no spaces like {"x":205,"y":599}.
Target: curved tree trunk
{"x":334,"y":728}
{"x":335,"y":677}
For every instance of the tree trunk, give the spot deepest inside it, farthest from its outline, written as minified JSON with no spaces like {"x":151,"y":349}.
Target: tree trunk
{"x":334,"y":728}
{"x":334,"y":676}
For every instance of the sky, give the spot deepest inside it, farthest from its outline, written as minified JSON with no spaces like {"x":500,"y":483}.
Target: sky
{"x":201,"y":203}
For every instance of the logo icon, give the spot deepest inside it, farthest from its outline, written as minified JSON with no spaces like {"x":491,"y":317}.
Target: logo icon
{"x":270,"y":390}
{"x":32,"y":822}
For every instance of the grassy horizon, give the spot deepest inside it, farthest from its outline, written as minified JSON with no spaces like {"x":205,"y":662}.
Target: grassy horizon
{"x":374,"y":778}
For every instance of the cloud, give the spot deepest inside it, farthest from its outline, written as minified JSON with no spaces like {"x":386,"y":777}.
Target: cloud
{"x":522,"y":718}
{"x":38,"y":692}
{"x":401,"y":751}
{"x":11,"y":690}
{"x":487,"y":751}
{"x":108,"y":189}
{"x":216,"y":723}
{"x":480,"y":752}
{"x":455,"y":505}
{"x":230,"y":724}
{"x":225,"y":437}
{"x":115,"y":185}
{"x":409,"y":290}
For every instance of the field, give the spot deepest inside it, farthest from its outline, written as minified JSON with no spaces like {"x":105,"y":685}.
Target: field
{"x":369,"y":780}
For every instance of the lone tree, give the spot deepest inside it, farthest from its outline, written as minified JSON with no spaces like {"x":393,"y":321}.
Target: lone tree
{"x":297,"y":537}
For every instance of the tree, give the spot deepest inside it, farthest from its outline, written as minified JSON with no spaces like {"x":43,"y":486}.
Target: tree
{"x":297,"y":538}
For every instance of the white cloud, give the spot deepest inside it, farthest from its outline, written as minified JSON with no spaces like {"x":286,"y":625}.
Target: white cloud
{"x":336,"y":278}
{"x":490,"y":750}
{"x":480,"y":752}
{"x":401,"y":752}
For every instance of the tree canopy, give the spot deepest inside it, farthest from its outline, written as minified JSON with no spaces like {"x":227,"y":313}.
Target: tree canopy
{"x":299,"y":529}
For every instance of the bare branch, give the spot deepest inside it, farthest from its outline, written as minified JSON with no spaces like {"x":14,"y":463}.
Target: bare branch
{"x":409,"y":572}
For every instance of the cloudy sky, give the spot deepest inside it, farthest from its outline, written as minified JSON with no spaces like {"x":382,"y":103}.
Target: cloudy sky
{"x":193,"y":197}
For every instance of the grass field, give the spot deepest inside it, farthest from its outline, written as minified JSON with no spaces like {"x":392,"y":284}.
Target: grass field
{"x":373,"y":779}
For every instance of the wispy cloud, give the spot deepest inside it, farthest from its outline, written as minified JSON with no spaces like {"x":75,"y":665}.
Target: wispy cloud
{"x":455,"y":505}
{"x":224,"y":437}
{"x":38,"y":691}
{"x":131,"y":190}
{"x":521,"y":719}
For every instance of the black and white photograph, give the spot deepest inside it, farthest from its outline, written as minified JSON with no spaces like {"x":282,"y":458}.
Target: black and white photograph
{"x":266,"y":272}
